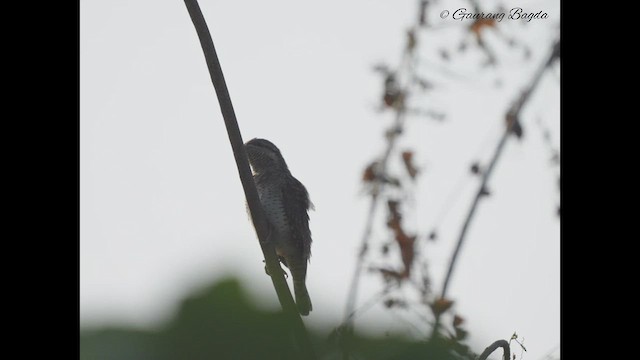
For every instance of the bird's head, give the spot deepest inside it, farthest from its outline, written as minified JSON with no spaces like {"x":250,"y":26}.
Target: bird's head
{"x":264,"y":156}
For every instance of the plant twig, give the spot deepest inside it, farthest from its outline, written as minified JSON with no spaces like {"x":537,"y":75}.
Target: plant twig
{"x":366,"y":305}
{"x":373,"y":205}
{"x":491,"y":348}
{"x":251,"y":193}
{"x":364,"y":244}
{"x":393,"y":133}
{"x":513,"y":113}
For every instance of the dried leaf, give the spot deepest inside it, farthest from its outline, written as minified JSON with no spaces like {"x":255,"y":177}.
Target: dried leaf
{"x":389,"y":274}
{"x":480,"y":24}
{"x":457,"y":321}
{"x":407,"y":158}
{"x":441,"y":305}
{"x":392,"y":94}
{"x":369,"y":173}
{"x":394,"y":99}
{"x":394,"y":224}
{"x":517,"y":130}
{"x":461,"y":334}
{"x":408,"y":253}
{"x":404,"y":241}
{"x":513,"y":124}
{"x":389,"y":98}
{"x":475,"y":168}
{"x":393,"y":208}
{"x":395,"y":303}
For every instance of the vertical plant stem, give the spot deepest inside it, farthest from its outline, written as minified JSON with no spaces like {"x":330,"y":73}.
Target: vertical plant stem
{"x":257,"y":213}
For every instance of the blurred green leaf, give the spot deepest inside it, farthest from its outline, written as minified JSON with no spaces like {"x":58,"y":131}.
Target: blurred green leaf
{"x":220,"y":322}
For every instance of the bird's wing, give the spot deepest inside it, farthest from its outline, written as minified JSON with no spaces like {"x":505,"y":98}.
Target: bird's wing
{"x":297,"y":199}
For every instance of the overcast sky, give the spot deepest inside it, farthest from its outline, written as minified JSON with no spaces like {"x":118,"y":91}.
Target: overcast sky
{"x":162,"y":208}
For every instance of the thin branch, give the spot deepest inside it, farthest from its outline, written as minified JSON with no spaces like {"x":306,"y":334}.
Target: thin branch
{"x":408,"y":58}
{"x":364,"y":244}
{"x":373,"y":205}
{"x":251,"y":193}
{"x":514,"y":113}
{"x":353,"y":288}
{"x":366,"y":305}
{"x":396,"y":314}
{"x":504,"y":344}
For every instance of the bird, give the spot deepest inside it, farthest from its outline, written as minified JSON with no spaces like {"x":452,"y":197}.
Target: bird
{"x":286,"y":202}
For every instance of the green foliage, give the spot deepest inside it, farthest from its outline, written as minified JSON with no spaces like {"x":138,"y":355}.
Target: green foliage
{"x":220,"y":322}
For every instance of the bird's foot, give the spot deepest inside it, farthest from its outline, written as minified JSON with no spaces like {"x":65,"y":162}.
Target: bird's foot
{"x":266,"y":270}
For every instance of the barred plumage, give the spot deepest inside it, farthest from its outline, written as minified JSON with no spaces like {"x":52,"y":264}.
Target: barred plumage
{"x":286,"y":202}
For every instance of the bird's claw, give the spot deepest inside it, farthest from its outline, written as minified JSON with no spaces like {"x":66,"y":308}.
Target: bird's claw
{"x":266,"y":270}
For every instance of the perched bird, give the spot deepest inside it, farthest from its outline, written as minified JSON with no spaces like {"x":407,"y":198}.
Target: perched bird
{"x":285,"y":202}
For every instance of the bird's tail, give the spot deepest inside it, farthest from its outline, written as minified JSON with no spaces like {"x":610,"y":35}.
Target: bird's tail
{"x":303,"y":301}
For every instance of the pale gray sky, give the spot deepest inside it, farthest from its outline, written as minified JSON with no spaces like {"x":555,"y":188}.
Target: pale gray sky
{"x":162,"y":208}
